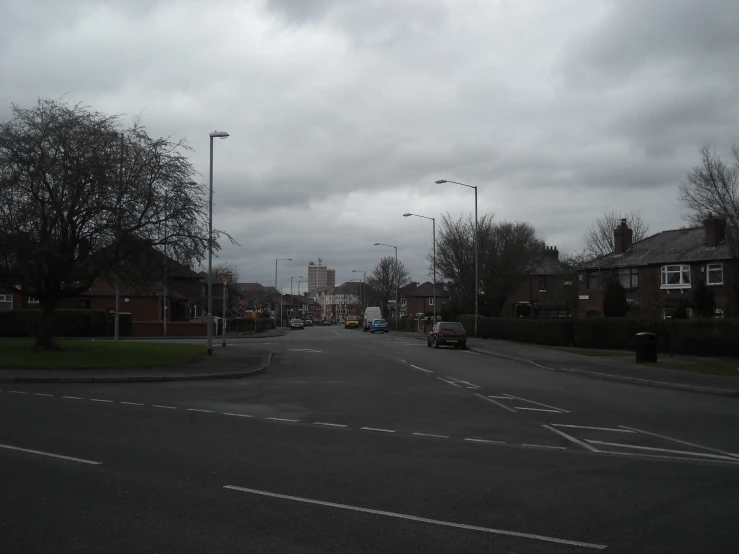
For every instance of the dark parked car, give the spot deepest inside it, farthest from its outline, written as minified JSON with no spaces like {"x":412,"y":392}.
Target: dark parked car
{"x":308,"y":323}
{"x":296,"y":324}
{"x":447,"y":333}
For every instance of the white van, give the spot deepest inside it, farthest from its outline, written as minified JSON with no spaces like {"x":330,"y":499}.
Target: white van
{"x":370,"y":314}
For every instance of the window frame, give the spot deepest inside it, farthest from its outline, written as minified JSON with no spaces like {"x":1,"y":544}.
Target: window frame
{"x":593,"y":273}
{"x":632,"y":275}
{"x":7,"y":298}
{"x":542,"y":281}
{"x":431,"y":300}
{"x":683,"y":268}
{"x":708,"y":274}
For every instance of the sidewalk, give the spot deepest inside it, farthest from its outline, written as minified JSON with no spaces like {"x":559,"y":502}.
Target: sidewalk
{"x":226,"y":363}
{"x":614,"y":368}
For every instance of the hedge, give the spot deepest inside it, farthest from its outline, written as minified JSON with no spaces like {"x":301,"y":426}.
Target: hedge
{"x":698,"y":337}
{"x":67,"y":323}
{"x":404,"y":324}
{"x":246,"y":325}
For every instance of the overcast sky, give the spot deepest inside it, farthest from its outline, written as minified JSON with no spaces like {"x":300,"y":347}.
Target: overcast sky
{"x":342,"y":114}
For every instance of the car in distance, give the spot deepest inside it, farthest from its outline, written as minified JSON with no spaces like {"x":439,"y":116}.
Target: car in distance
{"x":307,"y":323}
{"x":379,"y":326}
{"x":447,"y":333}
{"x":352,"y":322}
{"x":371,"y":313}
{"x":296,"y":324}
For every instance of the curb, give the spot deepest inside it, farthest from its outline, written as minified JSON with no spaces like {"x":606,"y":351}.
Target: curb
{"x":612,"y":377}
{"x":146,"y":378}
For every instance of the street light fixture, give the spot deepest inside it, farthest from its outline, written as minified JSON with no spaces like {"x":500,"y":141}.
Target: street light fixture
{"x":397,"y":281}
{"x":280,"y":260}
{"x":433,"y":222}
{"x":477,"y":281}
{"x":221,"y":135}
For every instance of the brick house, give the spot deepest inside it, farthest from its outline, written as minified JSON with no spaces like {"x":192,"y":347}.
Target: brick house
{"x":546,"y":289}
{"x":417,"y":299}
{"x":660,"y":271}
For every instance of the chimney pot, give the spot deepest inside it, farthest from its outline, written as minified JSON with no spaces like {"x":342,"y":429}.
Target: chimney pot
{"x":715,"y":228}
{"x":622,"y":238}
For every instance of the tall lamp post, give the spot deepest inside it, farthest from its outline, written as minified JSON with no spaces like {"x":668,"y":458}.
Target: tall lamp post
{"x":477,"y":281}
{"x":280,"y":260}
{"x":291,"y":291}
{"x":364,"y":277}
{"x":299,"y":298}
{"x":397,"y":280}
{"x":221,"y":135}
{"x":433,"y":223}
{"x":116,"y":323}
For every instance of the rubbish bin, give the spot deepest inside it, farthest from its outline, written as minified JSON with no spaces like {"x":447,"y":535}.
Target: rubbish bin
{"x":646,"y":347}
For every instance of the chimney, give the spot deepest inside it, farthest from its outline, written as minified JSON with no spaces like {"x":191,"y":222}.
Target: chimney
{"x":715,"y":230}
{"x":622,"y":237}
{"x":551,"y":252}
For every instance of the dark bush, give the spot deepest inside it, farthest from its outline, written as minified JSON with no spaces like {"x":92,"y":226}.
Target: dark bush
{"x":67,"y":323}
{"x":554,"y":332}
{"x":246,"y":324}
{"x":614,"y":300}
{"x":404,"y":324}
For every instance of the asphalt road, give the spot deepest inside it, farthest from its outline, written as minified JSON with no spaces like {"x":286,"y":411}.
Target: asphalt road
{"x":354,"y":442}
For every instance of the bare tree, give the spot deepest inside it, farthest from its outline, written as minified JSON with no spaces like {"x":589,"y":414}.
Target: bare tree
{"x":386,"y":276}
{"x":599,"y":238}
{"x":226,"y":268}
{"x":505,"y":249}
{"x":77,"y":206}
{"x":711,"y":189}
{"x":574,"y":260}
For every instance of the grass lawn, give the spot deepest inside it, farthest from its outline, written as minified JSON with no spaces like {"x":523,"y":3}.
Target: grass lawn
{"x":97,"y":355}
{"x":589,"y":351}
{"x":715,"y":366}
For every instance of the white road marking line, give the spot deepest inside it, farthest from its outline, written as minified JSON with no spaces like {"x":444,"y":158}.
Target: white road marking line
{"x":545,"y":446}
{"x":196,"y":410}
{"x":422,"y":369}
{"x":18,"y":391}
{"x":237,"y":415}
{"x":592,"y":428}
{"x":378,"y":430}
{"x":538,"y":410}
{"x":654,"y":449}
{"x":49,"y":454}
{"x":487,"y":441}
{"x":99,"y":400}
{"x":325,"y":424}
{"x":73,"y":397}
{"x":164,"y":407}
{"x":131,"y":403}
{"x":442,"y":523}
{"x":570,"y":438}
{"x":497,"y":403}
{"x":450,"y":382}
{"x":41,"y":394}
{"x":538,"y":403}
{"x":499,"y":397}
{"x":467,"y":383}
{"x":658,"y":457}
{"x":402,"y":360}
{"x":282,"y":419}
{"x":694,"y":445}
{"x":431,"y":435}
{"x":304,"y":350}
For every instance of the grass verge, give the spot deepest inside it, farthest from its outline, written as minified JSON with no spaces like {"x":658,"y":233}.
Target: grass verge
{"x":715,"y":366}
{"x":97,"y":355}
{"x":588,"y":351}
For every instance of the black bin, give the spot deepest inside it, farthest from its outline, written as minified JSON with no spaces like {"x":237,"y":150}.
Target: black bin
{"x":646,"y":347}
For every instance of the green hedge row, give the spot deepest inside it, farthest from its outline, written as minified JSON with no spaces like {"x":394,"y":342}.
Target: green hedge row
{"x":67,"y":323}
{"x":404,"y":324}
{"x":698,"y":337}
{"x":246,"y":325}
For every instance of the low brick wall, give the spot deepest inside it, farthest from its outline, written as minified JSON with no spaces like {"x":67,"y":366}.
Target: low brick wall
{"x":174,"y":329}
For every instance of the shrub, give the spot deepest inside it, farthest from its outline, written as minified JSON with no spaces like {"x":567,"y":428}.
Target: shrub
{"x":67,"y":323}
{"x":246,"y":325}
{"x":704,"y":300}
{"x":554,"y":332}
{"x":614,"y":300}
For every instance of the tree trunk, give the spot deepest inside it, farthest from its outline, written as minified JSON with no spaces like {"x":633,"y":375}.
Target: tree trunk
{"x":45,"y":330}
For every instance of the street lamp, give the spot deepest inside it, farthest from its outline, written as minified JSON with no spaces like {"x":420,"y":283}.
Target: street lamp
{"x":221,"y":135}
{"x":280,"y":260}
{"x":433,"y":223}
{"x":299,"y":297}
{"x":397,"y":280}
{"x":477,"y":282}
{"x":291,"y":290}
{"x":364,"y":277}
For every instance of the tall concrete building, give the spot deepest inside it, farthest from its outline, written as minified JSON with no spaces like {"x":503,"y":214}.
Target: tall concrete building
{"x":320,"y":277}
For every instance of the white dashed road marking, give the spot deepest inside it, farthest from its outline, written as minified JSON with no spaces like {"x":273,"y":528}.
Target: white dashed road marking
{"x":571,"y":438}
{"x":517,"y":534}
{"x":73,"y":397}
{"x":49,"y":454}
{"x":537,"y":403}
{"x":18,"y":391}
{"x":378,"y":430}
{"x":164,"y":407}
{"x":283,"y":419}
{"x":538,"y":410}
{"x":592,"y":428}
{"x":450,"y":382}
{"x":665,"y":450}
{"x":41,"y":394}
{"x":497,"y":403}
{"x":545,"y":446}
{"x":131,"y":403}
{"x":422,"y":369}
{"x":487,"y":441}
{"x":197,"y":410}
{"x":329,"y":424}
{"x":99,"y":400}
{"x":237,"y":415}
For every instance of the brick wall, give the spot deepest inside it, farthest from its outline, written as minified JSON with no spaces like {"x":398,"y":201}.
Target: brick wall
{"x":555,"y":292}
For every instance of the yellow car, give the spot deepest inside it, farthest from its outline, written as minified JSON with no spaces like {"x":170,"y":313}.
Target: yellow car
{"x":352,"y":322}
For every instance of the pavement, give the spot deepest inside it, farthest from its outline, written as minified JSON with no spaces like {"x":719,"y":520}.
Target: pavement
{"x":364,"y":443}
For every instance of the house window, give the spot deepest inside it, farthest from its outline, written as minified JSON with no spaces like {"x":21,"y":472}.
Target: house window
{"x":628,"y":277}
{"x":675,"y":277}
{"x":715,"y":274}
{"x":431,"y":301}
{"x":6,"y":302}
{"x":718,"y":312}
{"x":32,"y":300}
{"x":542,"y":285}
{"x":593,"y":280}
